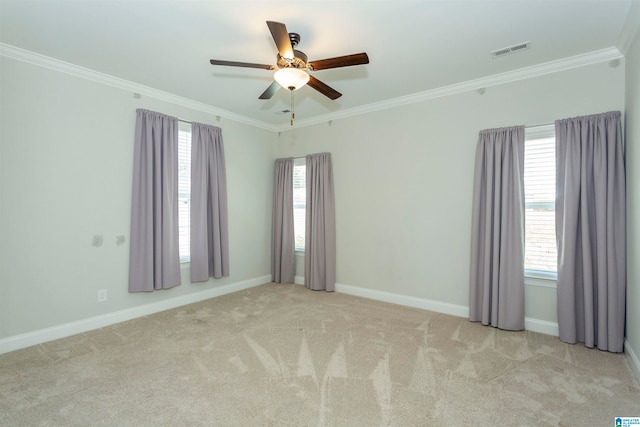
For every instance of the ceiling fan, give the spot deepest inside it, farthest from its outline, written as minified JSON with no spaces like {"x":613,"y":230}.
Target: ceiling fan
{"x":292,"y":65}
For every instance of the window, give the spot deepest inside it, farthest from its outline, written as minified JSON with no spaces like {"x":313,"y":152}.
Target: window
{"x":541,"y":259}
{"x":184,"y":191}
{"x":299,"y":201}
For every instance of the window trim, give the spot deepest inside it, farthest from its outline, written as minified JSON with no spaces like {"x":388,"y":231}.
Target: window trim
{"x":545,"y":282}
{"x":300,"y":161}
{"x":540,"y":277}
{"x":184,"y":127}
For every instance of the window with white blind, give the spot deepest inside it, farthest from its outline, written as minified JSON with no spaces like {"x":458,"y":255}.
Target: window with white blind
{"x":299,"y":201}
{"x":184,"y":191}
{"x":541,"y":259}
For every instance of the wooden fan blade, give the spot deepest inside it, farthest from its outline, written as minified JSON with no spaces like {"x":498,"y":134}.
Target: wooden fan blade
{"x":271,"y":90}
{"x":281,"y":37}
{"x":323,"y":88}
{"x":241,"y":64}
{"x":339,"y":61}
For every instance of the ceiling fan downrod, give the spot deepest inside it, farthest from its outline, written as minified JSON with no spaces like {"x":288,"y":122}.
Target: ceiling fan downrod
{"x":295,"y":39}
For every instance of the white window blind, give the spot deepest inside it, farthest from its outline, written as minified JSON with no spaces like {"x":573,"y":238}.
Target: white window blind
{"x":299,"y":201}
{"x":184,"y":191}
{"x":541,"y":257}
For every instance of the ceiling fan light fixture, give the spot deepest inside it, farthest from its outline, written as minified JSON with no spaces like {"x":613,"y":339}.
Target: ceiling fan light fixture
{"x":291,"y":78}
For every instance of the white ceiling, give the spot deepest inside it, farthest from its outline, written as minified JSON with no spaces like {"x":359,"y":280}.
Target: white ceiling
{"x":413,"y":46}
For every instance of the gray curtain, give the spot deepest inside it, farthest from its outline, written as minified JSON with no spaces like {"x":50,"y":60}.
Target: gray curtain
{"x":209,"y":216}
{"x":154,"y":259}
{"x":591,"y":230}
{"x":320,"y":233}
{"x":283,"y":261}
{"x":496,"y":294}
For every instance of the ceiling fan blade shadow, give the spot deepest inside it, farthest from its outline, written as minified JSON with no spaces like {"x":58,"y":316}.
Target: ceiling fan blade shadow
{"x":339,"y":61}
{"x":323,"y":88}
{"x":281,"y":37}
{"x":241,"y":64}
{"x":271,"y":90}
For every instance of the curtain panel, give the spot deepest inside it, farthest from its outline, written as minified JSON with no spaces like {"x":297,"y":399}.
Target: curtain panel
{"x":496,"y":284}
{"x":591,"y":230}
{"x":320,"y":223}
{"x":283,"y":260}
{"x":154,"y":260}
{"x":209,"y":214}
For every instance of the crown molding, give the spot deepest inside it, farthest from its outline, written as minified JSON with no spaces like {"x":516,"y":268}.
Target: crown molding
{"x":630,"y":27}
{"x":577,"y":61}
{"x":88,"y":74}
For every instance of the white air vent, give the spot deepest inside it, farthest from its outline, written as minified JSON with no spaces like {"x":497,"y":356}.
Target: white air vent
{"x":511,"y":49}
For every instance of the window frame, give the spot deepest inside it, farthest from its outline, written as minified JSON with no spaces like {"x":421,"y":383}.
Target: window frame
{"x":299,"y":162}
{"x":184,"y":182}
{"x":533,"y":276}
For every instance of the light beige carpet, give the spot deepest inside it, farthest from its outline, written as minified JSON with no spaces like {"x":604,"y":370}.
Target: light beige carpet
{"x":284,"y":355}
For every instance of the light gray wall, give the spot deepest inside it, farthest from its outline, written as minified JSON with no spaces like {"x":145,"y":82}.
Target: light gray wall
{"x":403,"y":187}
{"x":404,"y":178}
{"x":66,"y":154}
{"x":632,"y":137}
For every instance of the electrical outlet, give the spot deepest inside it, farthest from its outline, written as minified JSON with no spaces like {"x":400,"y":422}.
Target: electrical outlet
{"x":102,"y":295}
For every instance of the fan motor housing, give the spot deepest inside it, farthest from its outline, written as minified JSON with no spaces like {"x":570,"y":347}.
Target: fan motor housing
{"x":299,"y":60}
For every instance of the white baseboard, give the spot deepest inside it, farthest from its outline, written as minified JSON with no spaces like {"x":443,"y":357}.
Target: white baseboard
{"x":632,"y":358}
{"x":298,"y":280}
{"x":541,"y":326}
{"x":409,"y":301}
{"x":67,"y":329}
{"x":530,"y":324}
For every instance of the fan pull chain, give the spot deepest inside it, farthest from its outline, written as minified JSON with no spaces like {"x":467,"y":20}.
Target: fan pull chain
{"x":293,"y":114}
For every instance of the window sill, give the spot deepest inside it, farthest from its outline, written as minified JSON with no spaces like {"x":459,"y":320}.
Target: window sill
{"x":545,"y":282}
